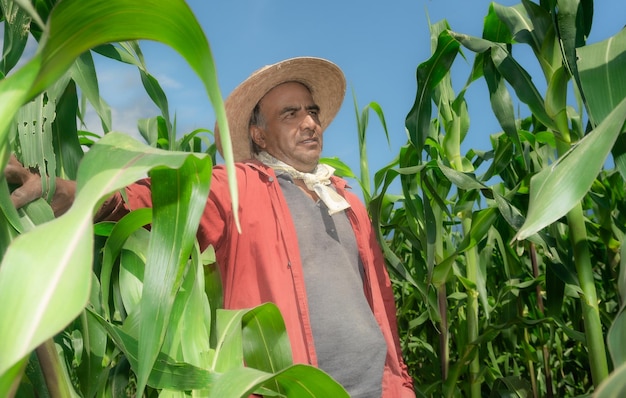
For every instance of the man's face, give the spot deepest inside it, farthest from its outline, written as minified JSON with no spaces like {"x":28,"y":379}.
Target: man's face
{"x":292,"y":132}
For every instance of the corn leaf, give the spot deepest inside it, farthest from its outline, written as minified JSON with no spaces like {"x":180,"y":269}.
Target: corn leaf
{"x":558,"y":187}
{"x":601,"y":67}
{"x":43,"y":290}
{"x":429,"y":74}
{"x":178,"y":199}
{"x":265,"y":342}
{"x":76,"y":26}
{"x":228,"y":351}
{"x":614,"y":386}
{"x":113,"y":246}
{"x":617,"y":330}
{"x":167,"y":373}
{"x":296,"y":381}
{"x":501,"y":102}
{"x":84,"y":74}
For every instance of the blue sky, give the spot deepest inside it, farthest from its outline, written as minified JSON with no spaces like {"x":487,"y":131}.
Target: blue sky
{"x":377,"y":44}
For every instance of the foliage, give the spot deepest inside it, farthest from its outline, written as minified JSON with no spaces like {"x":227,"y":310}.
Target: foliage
{"x":506,"y":262}
{"x":114,"y":309}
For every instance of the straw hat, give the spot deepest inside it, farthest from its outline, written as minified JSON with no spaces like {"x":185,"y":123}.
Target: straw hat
{"x":323,"y":78}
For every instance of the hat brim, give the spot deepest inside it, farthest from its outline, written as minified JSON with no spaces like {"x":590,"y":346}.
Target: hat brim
{"x":323,"y":78}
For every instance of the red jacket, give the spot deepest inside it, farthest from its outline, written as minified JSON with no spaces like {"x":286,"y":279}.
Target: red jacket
{"x":262,"y":264}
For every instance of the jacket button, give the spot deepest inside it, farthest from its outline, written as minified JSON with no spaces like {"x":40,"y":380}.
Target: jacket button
{"x":271,"y":179}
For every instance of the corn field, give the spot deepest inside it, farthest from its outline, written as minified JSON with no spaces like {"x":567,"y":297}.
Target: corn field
{"x":507,"y":262}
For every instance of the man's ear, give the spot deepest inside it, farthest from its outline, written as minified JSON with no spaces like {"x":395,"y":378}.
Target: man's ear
{"x":258,"y":136}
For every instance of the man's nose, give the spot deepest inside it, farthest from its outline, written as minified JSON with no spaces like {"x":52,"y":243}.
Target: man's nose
{"x":310,"y":122}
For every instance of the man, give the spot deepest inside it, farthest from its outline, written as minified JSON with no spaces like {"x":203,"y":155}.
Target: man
{"x":306,"y":242}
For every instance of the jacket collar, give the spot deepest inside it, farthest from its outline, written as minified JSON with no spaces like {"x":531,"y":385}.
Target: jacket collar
{"x":268,"y":173}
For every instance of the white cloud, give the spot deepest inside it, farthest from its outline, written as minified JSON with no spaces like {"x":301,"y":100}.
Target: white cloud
{"x":124,"y":118}
{"x":168,"y":82}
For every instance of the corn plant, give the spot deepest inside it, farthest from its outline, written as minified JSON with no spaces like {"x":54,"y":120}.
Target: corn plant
{"x":114,"y":309}
{"x":507,"y":259}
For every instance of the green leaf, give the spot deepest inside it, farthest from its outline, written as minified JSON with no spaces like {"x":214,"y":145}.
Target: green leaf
{"x":35,"y":137}
{"x":76,"y":26}
{"x":83,"y":71}
{"x":615,"y":337}
{"x":39,"y":301}
{"x":194,"y":327}
{"x":174,"y":226}
{"x":166,"y":372}
{"x":119,"y":234}
{"x":13,"y":94}
{"x":614,"y":386}
{"x":131,"y":273}
{"x":601,"y":67}
{"x":556,"y":101}
{"x":300,"y":381}
{"x":429,"y":74}
{"x":522,"y":83}
{"x":570,"y":32}
{"x":15,"y":36}
{"x":520,"y":26}
{"x":493,"y":27}
{"x":341,"y":169}
{"x":501,"y":102}
{"x":67,"y":146}
{"x":228,"y":350}
{"x":93,"y":370}
{"x":482,"y":221}
{"x":265,"y":341}
{"x":558,"y":187}
{"x":462,"y":180}
{"x":156,"y":93}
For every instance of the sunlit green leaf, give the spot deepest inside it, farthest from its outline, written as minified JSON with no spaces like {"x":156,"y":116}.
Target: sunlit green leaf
{"x":50,"y":297}
{"x":520,"y":26}
{"x":265,"y":340}
{"x":15,"y":36}
{"x":558,"y":187}
{"x":429,"y":74}
{"x":615,"y":337}
{"x":501,"y":102}
{"x":84,"y":74}
{"x":296,"y":381}
{"x":118,"y":236}
{"x":166,"y":372}
{"x":570,"y":32}
{"x":601,"y":67}
{"x":174,"y":226}
{"x":614,"y":386}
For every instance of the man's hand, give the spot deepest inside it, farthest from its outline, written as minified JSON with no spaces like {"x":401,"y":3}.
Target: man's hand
{"x":30,"y":188}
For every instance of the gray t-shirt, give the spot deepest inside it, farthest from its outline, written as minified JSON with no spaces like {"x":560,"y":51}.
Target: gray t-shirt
{"x":349,"y":344}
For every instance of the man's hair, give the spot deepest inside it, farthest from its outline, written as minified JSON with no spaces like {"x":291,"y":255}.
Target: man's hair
{"x":256,"y":119}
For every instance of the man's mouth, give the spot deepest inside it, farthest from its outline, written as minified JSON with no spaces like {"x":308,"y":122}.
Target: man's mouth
{"x":312,"y":140}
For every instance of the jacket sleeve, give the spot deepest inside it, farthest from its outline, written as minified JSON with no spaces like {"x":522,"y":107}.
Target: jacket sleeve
{"x":217,"y":216}
{"x":135,"y":196}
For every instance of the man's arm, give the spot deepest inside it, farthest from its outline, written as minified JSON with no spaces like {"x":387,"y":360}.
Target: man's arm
{"x":29,"y":187}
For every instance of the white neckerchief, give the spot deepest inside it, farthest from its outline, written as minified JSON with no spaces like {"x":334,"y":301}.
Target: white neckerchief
{"x":318,"y":181}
